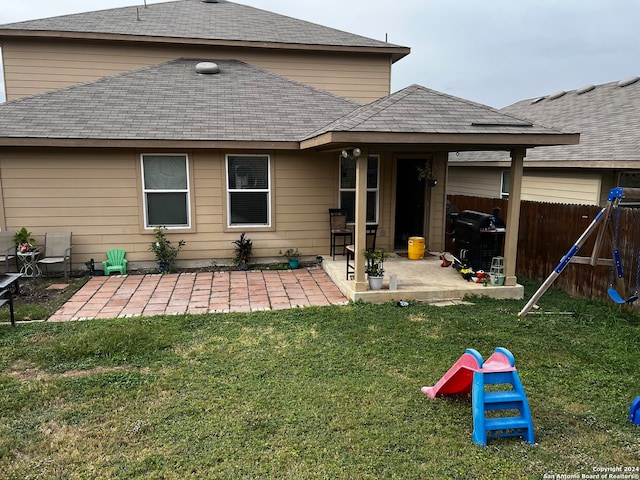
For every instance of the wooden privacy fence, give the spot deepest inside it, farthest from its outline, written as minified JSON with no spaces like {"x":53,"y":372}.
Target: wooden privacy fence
{"x":548,"y":230}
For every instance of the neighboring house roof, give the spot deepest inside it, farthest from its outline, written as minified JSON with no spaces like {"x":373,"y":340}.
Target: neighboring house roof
{"x":216,"y":22}
{"x":422,"y":111}
{"x":172,"y":102}
{"x":605,"y":115}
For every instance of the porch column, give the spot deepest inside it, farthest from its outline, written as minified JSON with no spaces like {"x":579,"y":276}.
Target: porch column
{"x":360,"y":232}
{"x":513,"y":216}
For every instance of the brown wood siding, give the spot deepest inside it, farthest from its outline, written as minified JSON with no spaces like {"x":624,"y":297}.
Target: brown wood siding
{"x":538,"y":185}
{"x":96,"y":194}
{"x":34,"y":66}
{"x":474,"y":181}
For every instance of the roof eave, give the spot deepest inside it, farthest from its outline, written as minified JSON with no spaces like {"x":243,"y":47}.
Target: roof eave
{"x":449,"y":141}
{"x":396,"y":52}
{"x":146,"y":143}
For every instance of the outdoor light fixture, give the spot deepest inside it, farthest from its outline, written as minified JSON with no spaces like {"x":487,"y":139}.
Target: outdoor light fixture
{"x":355,"y":153}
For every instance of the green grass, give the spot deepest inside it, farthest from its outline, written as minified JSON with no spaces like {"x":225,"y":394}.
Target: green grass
{"x":36,"y":302}
{"x":330,"y":392}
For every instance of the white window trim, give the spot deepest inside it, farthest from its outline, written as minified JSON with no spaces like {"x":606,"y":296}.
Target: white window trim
{"x":376,"y":189}
{"x":248,"y":190}
{"x":145,"y":191}
{"x":502,"y":182}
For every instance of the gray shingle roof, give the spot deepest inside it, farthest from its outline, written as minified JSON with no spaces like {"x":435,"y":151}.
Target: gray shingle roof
{"x":417,"y":109}
{"x":194,"y":19}
{"x":172,"y":102}
{"x":606,"y":116}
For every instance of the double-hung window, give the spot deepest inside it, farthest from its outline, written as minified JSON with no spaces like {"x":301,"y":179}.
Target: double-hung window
{"x":165,"y":183}
{"x":248,"y":190}
{"x":348,"y":187}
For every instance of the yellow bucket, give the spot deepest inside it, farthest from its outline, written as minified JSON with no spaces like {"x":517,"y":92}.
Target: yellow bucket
{"x":416,"y":248}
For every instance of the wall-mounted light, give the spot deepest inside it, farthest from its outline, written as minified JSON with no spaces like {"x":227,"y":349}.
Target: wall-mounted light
{"x":355,"y":153}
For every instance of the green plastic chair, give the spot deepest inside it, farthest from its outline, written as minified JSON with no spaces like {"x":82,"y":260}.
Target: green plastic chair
{"x":115,"y":261}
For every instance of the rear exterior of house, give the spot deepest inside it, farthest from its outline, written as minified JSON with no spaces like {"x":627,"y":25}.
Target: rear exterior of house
{"x":97,"y":189}
{"x":231,"y":120}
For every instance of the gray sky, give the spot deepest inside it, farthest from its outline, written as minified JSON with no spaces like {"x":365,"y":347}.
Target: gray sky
{"x":494,"y":52}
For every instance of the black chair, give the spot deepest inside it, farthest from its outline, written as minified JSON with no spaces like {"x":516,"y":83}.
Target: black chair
{"x":338,"y":226}
{"x":6,"y":298}
{"x":372,"y":232}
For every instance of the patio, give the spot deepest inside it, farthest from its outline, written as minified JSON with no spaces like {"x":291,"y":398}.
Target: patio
{"x":423,"y":280}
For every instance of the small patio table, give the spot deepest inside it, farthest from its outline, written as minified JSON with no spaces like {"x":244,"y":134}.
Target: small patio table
{"x":29,"y":261}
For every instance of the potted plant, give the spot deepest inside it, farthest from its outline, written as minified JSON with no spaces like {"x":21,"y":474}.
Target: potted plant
{"x":165,"y":251}
{"x":428,"y":172}
{"x":293,"y":257}
{"x":24,"y":241}
{"x":375,"y":267}
{"x":243,"y":252}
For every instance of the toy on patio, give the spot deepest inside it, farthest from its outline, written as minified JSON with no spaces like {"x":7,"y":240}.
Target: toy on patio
{"x":471,"y":375}
{"x":634,"y":412}
{"x":599,"y":225}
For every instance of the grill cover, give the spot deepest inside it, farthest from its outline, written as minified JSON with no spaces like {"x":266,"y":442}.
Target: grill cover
{"x":478,"y":237}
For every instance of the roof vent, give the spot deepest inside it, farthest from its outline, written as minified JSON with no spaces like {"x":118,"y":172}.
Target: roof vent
{"x":585,"y":89}
{"x":207,"y":68}
{"x":209,"y":1}
{"x":537,"y":100}
{"x":557,"y":95}
{"x":628,"y":81}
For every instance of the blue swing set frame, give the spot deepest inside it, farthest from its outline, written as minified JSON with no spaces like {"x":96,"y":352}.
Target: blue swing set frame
{"x":598,"y":224}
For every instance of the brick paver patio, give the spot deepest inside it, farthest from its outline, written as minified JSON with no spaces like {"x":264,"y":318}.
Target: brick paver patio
{"x":235,"y":291}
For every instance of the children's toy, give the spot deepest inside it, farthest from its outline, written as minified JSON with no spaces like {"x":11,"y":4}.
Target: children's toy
{"x":634,"y":412}
{"x":471,"y":375}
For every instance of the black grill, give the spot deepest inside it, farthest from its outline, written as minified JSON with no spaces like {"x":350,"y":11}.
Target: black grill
{"x":478,"y":238}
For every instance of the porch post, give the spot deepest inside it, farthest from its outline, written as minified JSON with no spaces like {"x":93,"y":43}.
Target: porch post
{"x":360,"y":235}
{"x":513,"y":216}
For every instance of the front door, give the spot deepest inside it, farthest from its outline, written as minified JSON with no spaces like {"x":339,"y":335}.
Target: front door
{"x":410,"y":202}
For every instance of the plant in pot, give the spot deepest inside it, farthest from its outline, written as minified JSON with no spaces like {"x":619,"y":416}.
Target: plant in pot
{"x":428,"y":172}
{"x":24,"y":241}
{"x":293,"y":257}
{"x":165,"y":251}
{"x":375,"y":267}
{"x":243,"y":252}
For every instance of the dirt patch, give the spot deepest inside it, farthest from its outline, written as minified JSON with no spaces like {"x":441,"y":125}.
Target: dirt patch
{"x":24,"y":371}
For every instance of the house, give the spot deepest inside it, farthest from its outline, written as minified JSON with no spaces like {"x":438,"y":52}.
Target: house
{"x":607,"y":156}
{"x":212,"y":119}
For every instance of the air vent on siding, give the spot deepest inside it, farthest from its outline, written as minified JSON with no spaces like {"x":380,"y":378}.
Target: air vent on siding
{"x":207,"y":68}
{"x":628,"y":81}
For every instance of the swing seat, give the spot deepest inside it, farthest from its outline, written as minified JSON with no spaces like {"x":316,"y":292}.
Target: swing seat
{"x":615,"y":296}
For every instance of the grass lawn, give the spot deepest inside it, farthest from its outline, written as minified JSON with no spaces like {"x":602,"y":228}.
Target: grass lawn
{"x":330,"y":393}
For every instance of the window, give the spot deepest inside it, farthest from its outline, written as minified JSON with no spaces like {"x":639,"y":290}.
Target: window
{"x":165,"y":184}
{"x":348,"y":188}
{"x":629,"y":179}
{"x":248,"y":187}
{"x":506,"y":181}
